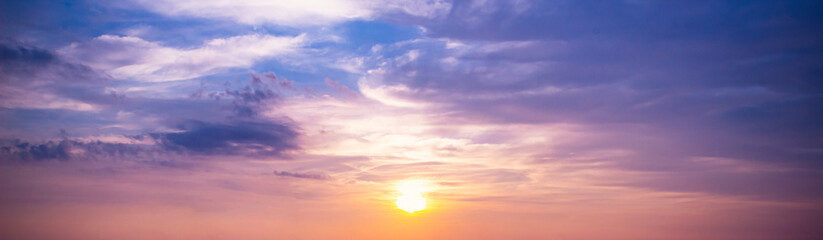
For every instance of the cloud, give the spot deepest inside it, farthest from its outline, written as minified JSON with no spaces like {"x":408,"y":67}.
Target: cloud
{"x":42,"y":92}
{"x":256,"y":139}
{"x":49,"y":150}
{"x":315,"y":176}
{"x":36,"y":78}
{"x":454,"y":173}
{"x":296,"y":13}
{"x":126,"y":57}
{"x":247,"y":100}
{"x":72,"y":149}
{"x":795,"y":185}
{"x":11,"y":54}
{"x":639,"y":97}
{"x":246,"y":138}
{"x":341,"y":89}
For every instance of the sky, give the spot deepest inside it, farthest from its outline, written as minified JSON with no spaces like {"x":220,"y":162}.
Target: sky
{"x":252,"y":119}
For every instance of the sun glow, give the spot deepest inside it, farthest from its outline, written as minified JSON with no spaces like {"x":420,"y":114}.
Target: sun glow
{"x":411,"y":195}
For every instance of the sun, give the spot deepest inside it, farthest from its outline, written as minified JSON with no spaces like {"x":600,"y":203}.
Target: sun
{"x":411,"y":195}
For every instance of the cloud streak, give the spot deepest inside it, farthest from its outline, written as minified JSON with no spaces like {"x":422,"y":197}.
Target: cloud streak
{"x":315,"y":176}
{"x":126,"y":57}
{"x":297,"y":13}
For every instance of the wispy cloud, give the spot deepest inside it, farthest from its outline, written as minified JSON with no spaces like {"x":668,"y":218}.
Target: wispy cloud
{"x":299,"y":13}
{"x":126,"y":57}
{"x":315,"y":176}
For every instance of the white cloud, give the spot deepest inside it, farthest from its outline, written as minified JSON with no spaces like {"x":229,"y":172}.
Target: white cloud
{"x":373,"y":87}
{"x":125,"y":57}
{"x":24,"y":99}
{"x":294,"y":13}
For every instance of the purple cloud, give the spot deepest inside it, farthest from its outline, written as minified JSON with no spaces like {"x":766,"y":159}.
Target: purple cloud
{"x":315,"y":176}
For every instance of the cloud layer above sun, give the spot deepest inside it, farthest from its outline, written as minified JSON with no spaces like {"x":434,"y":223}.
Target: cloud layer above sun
{"x":297,"y":119}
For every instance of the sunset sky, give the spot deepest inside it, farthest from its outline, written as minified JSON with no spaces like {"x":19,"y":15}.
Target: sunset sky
{"x":315,"y":119}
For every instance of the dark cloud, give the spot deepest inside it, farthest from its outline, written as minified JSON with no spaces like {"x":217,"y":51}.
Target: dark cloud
{"x":27,"y":151}
{"x":260,"y":92}
{"x":316,"y":176}
{"x":38,"y":69}
{"x":194,"y":137}
{"x":9,"y":54}
{"x":251,"y":138}
{"x":68,"y":149}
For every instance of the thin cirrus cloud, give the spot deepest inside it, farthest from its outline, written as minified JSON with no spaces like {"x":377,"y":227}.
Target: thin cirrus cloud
{"x":127,"y":57}
{"x":315,"y":176}
{"x":296,"y":13}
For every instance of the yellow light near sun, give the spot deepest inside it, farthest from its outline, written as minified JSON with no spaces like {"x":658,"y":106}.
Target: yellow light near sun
{"x":411,"y":195}
{"x":411,"y":203}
